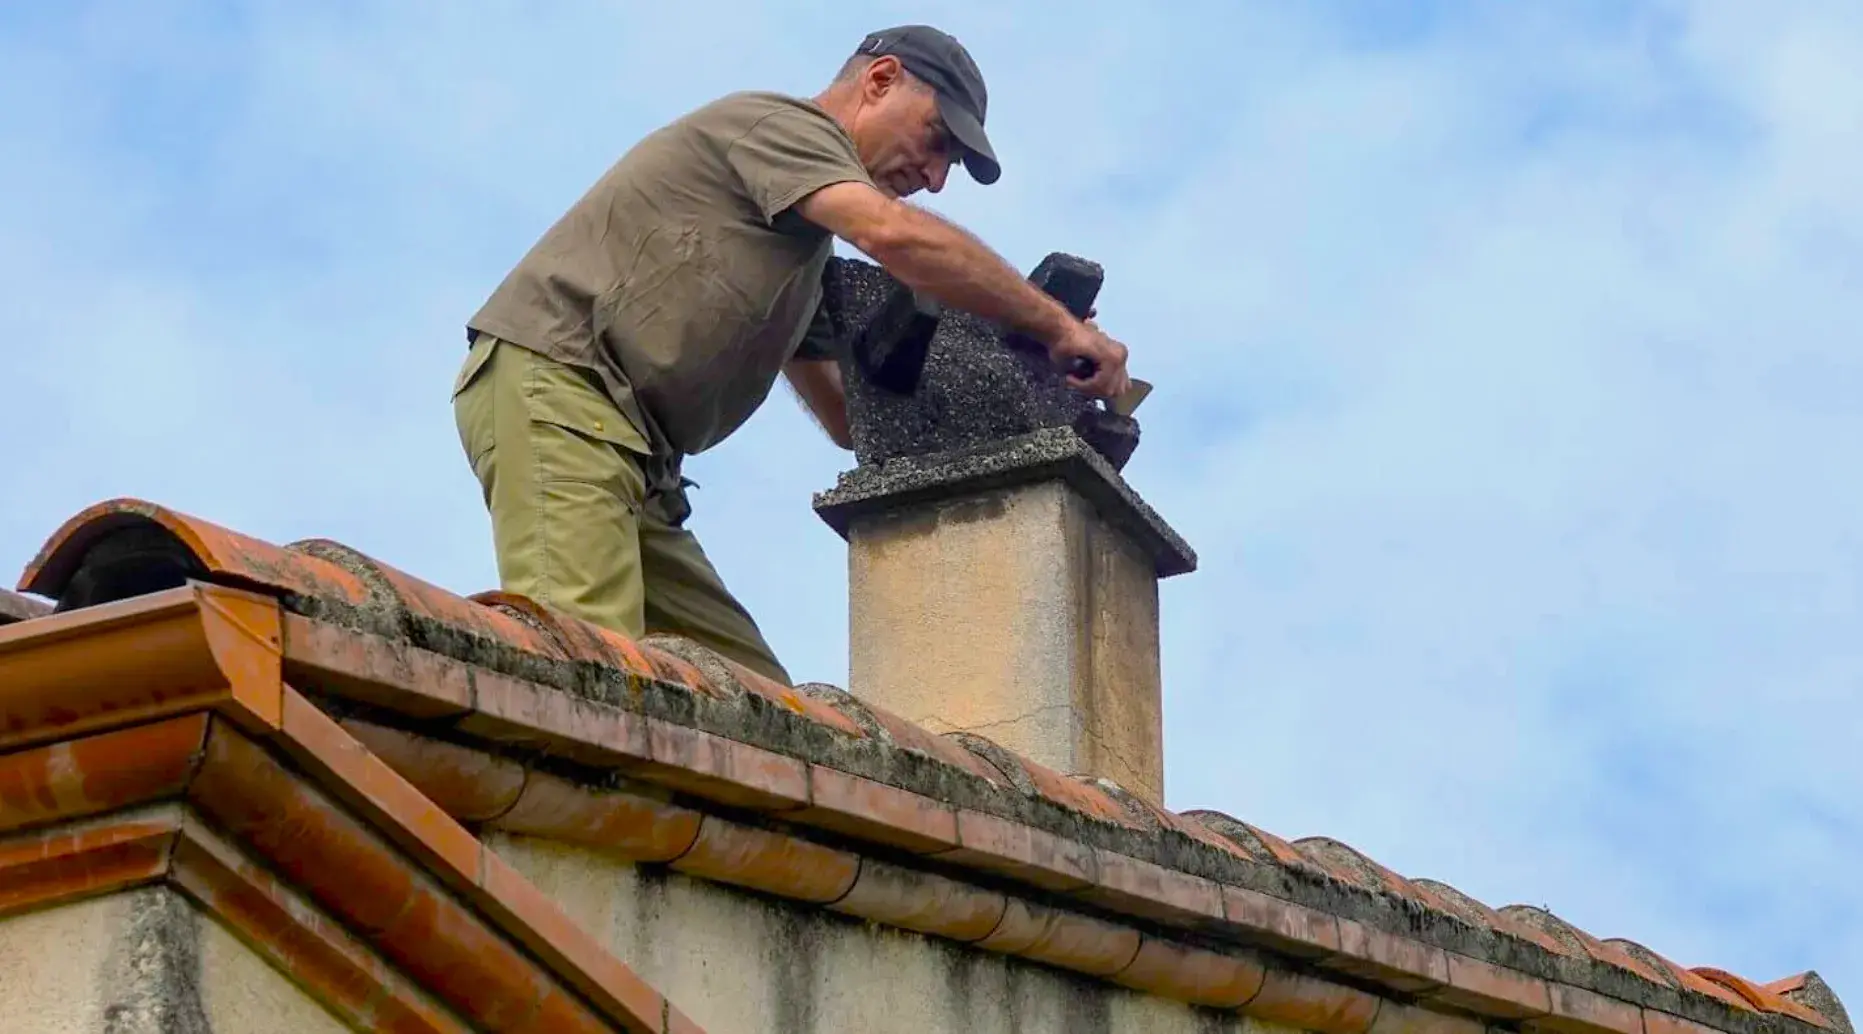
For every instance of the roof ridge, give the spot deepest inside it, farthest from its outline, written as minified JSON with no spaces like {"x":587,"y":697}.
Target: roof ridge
{"x":682,"y":684}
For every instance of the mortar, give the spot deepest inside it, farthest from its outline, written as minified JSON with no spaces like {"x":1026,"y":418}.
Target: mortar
{"x":977,"y":385}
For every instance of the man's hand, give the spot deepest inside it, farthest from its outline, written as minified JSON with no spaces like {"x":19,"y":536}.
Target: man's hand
{"x":946,"y":262}
{"x":1087,"y":341}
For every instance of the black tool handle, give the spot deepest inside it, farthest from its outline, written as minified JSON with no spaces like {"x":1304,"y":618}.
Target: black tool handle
{"x":1070,"y":280}
{"x":1074,"y":282}
{"x":891,"y":349}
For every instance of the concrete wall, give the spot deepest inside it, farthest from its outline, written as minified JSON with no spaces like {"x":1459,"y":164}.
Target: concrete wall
{"x":142,"y":962}
{"x":741,"y":964}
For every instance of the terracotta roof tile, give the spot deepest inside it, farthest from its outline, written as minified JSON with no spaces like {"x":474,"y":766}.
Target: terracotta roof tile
{"x":306,"y":859}
{"x":1578,"y":941}
{"x":718,"y":731}
{"x":882,"y":725}
{"x":1347,"y":863}
{"x":1810,"y":991}
{"x":1206,"y":978}
{"x":1258,"y":844}
{"x":1685,"y":978}
{"x":575,"y":639}
{"x":1039,"y":780}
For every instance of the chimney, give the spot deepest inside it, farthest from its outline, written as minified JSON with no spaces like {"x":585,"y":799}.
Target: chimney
{"x":1003,"y":577}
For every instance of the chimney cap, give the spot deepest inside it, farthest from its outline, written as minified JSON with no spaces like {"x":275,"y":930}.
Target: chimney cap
{"x":1046,"y":454}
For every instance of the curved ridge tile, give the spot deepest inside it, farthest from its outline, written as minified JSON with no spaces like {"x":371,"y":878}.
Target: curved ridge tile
{"x":1793,"y":984}
{"x":1739,"y":985}
{"x":1255,"y":843}
{"x":1038,"y":780}
{"x":1153,"y":816}
{"x":663,"y":658}
{"x":1809,"y":991}
{"x":1756,"y":995}
{"x":845,"y":704}
{"x":418,"y":600}
{"x":1458,"y":904}
{"x":217,"y":551}
{"x":1509,"y":921}
{"x":1350,"y":865}
{"x":690,"y":665}
{"x":1681,"y":977}
{"x":1578,"y":942}
{"x":790,"y":699}
{"x":579,"y":640}
{"x":382,"y":597}
{"x":1539,"y":925}
{"x":775,"y":692}
{"x":886,"y":727}
{"x":730,"y":680}
{"x":1649,"y":959}
{"x":1075,"y":795}
{"x":986,"y":750}
{"x":1478,"y":914}
{"x":1354,"y":866}
{"x":540,"y":626}
{"x":1140,"y":812}
{"x":1340,"y":862}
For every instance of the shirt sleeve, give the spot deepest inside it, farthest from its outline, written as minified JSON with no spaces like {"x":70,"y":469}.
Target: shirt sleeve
{"x":788,"y":155}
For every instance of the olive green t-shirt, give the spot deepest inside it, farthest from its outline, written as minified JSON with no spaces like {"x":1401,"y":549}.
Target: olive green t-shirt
{"x":683,"y":279}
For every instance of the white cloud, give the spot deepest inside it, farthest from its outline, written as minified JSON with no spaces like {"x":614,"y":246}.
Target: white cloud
{"x":1506,"y":368}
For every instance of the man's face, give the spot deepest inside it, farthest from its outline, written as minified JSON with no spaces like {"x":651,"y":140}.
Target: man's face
{"x":901,"y":137}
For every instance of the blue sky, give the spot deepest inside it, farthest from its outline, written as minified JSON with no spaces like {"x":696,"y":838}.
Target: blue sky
{"x":1507,"y":360}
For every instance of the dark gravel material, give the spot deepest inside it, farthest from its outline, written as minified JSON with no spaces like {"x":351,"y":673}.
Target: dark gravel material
{"x":975,"y":385}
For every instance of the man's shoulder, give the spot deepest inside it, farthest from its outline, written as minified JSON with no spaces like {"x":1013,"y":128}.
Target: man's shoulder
{"x":737,"y":113}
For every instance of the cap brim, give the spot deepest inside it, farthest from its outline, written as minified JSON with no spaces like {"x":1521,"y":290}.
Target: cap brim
{"x":979,"y":156}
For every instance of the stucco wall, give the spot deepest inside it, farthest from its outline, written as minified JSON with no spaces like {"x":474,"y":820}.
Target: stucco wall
{"x":243,"y":994}
{"x":1018,"y":615}
{"x":741,"y":964}
{"x":142,"y":962}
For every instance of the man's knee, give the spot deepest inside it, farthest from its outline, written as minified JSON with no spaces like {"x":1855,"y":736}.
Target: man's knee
{"x":686,"y":597}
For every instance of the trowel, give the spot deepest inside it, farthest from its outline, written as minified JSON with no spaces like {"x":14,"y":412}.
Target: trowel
{"x":1123,"y":404}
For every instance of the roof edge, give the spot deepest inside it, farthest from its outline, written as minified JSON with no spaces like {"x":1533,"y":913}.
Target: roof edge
{"x":278,"y":776}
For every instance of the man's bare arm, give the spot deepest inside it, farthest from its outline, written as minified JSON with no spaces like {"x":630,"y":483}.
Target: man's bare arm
{"x":818,"y":383}
{"x":947,"y":262}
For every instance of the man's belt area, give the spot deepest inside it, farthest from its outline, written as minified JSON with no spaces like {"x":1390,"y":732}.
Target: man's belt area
{"x":666,"y":488}
{"x":660,"y":468}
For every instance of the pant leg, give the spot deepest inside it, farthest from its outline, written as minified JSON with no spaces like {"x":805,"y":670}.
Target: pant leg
{"x":563,"y":474}
{"x":686,"y":597}
{"x":558,"y":467}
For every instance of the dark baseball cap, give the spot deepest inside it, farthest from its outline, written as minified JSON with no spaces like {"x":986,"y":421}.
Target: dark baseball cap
{"x":944,"y":65}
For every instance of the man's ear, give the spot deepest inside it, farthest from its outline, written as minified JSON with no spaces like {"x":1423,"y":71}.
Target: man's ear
{"x":882,"y":75}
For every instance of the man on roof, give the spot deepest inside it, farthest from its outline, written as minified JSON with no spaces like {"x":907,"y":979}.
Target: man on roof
{"x":654,"y":317}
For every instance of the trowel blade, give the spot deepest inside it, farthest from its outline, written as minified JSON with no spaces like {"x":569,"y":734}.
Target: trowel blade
{"x":1124,"y":404}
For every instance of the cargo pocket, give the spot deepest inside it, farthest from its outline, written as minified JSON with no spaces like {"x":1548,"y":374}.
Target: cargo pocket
{"x":474,"y":413}
{"x":482,"y":346}
{"x":579,"y":437}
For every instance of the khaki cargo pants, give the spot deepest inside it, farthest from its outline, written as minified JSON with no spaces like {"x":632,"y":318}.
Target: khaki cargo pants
{"x":574,"y":522}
